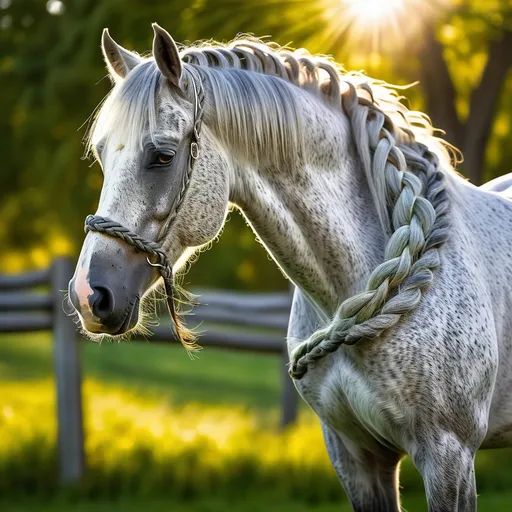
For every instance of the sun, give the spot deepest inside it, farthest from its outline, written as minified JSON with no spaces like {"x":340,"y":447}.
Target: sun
{"x":373,"y":27}
{"x":372,"y":12}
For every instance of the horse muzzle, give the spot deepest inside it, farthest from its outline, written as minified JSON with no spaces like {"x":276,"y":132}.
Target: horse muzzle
{"x":106,"y":289}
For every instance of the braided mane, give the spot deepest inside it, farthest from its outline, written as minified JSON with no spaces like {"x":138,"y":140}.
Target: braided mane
{"x":403,"y":162}
{"x":404,"y":176}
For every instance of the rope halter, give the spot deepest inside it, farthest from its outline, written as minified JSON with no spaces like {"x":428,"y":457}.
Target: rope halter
{"x":104,"y":225}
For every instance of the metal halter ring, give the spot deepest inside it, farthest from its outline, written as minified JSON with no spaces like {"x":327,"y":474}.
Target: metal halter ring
{"x":155,"y":264}
{"x":194,"y":150}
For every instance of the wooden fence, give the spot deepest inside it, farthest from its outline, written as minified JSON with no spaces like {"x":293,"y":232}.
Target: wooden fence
{"x":257,"y":323}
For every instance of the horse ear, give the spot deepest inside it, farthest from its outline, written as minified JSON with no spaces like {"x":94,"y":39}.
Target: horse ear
{"x":166,"y":55}
{"x":119,"y":61}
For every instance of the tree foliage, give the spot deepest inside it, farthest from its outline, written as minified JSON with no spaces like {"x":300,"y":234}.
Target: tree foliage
{"x":53,"y":77}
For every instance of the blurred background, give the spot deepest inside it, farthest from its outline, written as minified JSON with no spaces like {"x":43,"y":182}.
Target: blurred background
{"x":161,"y":431}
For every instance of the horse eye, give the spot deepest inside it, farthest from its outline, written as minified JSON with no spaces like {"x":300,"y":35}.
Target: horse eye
{"x":165,"y":158}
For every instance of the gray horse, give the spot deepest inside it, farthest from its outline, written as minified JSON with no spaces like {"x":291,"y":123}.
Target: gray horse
{"x":399,"y":336}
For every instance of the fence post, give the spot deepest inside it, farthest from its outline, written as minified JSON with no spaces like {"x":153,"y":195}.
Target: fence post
{"x":66,"y":354}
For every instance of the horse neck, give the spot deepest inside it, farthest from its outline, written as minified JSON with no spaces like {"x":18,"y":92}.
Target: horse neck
{"x":317,"y":220}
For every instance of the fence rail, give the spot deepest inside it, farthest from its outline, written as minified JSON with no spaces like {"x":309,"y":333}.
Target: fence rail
{"x":22,"y":310}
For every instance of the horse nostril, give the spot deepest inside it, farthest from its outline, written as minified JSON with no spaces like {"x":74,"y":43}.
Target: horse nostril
{"x":102,"y":302}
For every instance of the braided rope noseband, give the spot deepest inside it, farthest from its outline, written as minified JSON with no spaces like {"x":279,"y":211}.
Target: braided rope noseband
{"x":109,"y":227}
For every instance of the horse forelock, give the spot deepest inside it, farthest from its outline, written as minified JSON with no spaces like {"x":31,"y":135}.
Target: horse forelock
{"x":128,"y":113}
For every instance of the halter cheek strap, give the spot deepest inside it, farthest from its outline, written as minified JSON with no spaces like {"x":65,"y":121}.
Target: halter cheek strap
{"x":99,"y":224}
{"x":192,"y":155}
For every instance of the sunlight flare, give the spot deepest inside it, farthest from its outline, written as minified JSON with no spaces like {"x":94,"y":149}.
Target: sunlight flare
{"x":378,"y":26}
{"x":370,"y":12}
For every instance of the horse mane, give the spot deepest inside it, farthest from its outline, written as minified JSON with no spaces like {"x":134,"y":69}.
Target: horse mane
{"x":405,"y":164}
{"x":258,"y":113}
{"x":321,"y":77}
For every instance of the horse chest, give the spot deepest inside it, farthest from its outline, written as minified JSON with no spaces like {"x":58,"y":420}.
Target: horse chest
{"x":350,"y":401}
{"x":357,"y":401}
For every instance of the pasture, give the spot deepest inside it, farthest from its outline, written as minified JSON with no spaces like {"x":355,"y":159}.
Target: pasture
{"x":164,"y":432}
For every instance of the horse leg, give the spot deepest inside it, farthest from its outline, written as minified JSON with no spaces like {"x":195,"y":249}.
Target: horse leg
{"x":448,"y":471}
{"x":370,"y":481}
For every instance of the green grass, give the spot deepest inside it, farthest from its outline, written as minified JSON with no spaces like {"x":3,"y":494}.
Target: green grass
{"x":149,"y":369}
{"x":144,"y":401}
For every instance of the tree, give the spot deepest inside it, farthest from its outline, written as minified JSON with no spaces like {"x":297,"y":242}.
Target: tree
{"x":470,"y":133}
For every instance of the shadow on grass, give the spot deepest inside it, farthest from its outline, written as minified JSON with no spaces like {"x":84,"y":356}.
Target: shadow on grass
{"x":25,"y":357}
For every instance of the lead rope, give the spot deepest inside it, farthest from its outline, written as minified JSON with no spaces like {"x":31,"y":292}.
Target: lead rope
{"x":104,"y":225}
